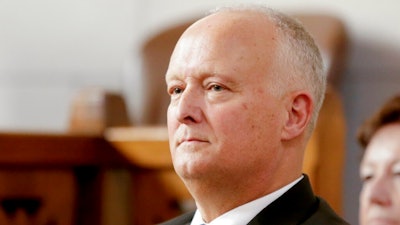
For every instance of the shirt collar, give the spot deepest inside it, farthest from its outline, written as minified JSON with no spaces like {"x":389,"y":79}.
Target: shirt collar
{"x":244,"y":213}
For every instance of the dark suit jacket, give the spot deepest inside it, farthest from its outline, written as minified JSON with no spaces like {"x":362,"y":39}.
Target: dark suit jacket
{"x":298,"y":205}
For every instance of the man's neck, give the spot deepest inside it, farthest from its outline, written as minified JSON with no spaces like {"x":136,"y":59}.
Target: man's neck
{"x":245,"y":212}
{"x":213,"y":201}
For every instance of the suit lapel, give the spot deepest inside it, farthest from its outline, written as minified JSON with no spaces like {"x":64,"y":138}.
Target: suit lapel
{"x":294,"y":206}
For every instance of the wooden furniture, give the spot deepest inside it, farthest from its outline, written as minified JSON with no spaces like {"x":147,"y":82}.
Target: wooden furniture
{"x":94,"y":109}
{"x":48,"y":179}
{"x":325,"y":152}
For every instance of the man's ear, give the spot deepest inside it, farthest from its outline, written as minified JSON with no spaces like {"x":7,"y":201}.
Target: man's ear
{"x":300,"y":109}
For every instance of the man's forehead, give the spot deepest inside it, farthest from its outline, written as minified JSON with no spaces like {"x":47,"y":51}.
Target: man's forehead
{"x":218,"y":40}
{"x":234,"y":21}
{"x":228,"y":29}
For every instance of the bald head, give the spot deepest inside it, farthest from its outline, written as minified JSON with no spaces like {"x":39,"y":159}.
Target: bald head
{"x":239,"y":25}
{"x":236,"y":35}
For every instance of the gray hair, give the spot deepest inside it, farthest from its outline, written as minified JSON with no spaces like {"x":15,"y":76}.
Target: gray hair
{"x":297,"y":52}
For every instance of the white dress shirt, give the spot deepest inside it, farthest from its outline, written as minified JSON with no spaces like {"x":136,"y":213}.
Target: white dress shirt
{"x":245,"y":213}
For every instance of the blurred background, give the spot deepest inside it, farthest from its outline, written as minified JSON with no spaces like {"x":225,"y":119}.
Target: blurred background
{"x":51,"y":49}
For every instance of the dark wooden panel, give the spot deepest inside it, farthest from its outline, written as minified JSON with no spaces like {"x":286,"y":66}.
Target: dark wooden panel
{"x":57,"y":150}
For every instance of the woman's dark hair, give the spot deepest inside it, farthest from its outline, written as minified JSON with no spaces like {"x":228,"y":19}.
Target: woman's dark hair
{"x":389,"y":113}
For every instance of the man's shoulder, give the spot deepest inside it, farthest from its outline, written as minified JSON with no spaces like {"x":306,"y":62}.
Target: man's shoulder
{"x":298,"y":205}
{"x":183,"y":219}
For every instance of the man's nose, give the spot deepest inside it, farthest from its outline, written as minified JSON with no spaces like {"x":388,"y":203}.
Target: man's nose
{"x":189,"y":107}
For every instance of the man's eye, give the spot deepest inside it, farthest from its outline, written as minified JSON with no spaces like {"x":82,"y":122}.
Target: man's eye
{"x":216,"y":87}
{"x":176,"y":91}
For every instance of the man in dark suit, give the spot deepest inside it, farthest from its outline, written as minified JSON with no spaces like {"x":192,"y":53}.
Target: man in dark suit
{"x":246,"y":86}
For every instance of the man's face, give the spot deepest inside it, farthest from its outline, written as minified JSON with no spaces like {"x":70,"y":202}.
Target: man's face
{"x":223,"y":122}
{"x":380,"y":173}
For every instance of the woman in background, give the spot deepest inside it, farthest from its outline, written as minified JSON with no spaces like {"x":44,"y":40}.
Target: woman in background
{"x":380,"y":166}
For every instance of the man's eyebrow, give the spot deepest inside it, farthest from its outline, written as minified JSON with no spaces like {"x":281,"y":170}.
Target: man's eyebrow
{"x":201,"y":77}
{"x":220,"y":76}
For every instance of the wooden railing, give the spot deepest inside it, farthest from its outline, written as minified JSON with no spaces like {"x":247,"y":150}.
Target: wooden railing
{"x":54,"y":178}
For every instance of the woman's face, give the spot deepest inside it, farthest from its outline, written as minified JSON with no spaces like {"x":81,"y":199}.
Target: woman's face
{"x":380,"y":173}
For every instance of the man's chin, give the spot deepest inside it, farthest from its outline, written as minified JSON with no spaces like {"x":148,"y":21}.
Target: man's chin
{"x":191,"y":171}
